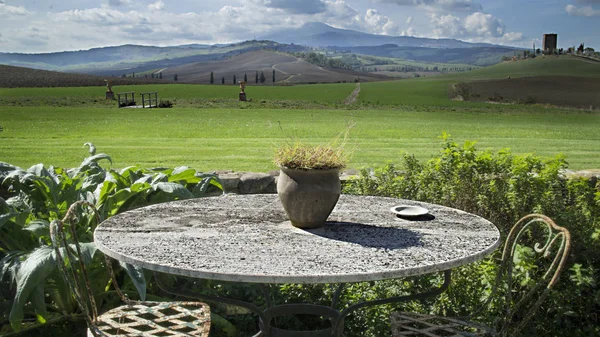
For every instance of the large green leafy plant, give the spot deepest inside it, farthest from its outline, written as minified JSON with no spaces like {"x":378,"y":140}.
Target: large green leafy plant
{"x":31,"y":284}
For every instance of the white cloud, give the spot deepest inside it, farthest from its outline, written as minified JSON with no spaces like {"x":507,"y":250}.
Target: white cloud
{"x":476,"y":27}
{"x":295,"y":6}
{"x":582,"y":11}
{"x":119,"y":3}
{"x":513,"y":37}
{"x":409,"y":32}
{"x":438,"y":5}
{"x":101,"y":17}
{"x":157,"y":6}
{"x":117,"y":22}
{"x":377,"y":23}
{"x":481,"y":24}
{"x":7,"y":11}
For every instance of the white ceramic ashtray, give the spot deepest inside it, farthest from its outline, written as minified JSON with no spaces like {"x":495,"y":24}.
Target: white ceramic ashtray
{"x":409,"y":211}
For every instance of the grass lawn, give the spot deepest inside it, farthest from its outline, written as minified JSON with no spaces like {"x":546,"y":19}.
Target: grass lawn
{"x":316,"y":92}
{"x":244,"y":139}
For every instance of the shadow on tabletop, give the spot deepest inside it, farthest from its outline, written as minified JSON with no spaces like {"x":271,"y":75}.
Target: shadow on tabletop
{"x":369,"y":236}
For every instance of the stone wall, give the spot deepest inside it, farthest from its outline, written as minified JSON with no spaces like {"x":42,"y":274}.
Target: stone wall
{"x":259,"y":183}
{"x":266,"y":183}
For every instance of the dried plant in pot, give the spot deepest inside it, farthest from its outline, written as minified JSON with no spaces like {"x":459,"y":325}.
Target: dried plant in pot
{"x":309,"y":183}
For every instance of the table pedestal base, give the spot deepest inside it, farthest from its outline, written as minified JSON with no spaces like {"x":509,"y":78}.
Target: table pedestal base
{"x":335,"y":316}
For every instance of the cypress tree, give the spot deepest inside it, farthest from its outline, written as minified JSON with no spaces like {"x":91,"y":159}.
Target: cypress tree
{"x":160,"y":75}
{"x":262,"y":77}
{"x":234,"y":80}
{"x":273,"y":75}
{"x":223,"y":80}
{"x":245,"y":77}
{"x":175,"y":77}
{"x":257,"y":77}
{"x":212,"y":78}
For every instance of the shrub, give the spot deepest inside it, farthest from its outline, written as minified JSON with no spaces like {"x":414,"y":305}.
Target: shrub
{"x":165,"y":104}
{"x":462,"y":90}
{"x":502,"y":188}
{"x":527,"y":100}
{"x":496,"y":98}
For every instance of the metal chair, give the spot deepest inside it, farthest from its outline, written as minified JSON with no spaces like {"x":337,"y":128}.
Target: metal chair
{"x":516,"y":312}
{"x":135,"y":318}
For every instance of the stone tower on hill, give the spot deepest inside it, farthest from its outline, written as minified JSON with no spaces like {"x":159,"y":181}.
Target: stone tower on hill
{"x":549,"y":43}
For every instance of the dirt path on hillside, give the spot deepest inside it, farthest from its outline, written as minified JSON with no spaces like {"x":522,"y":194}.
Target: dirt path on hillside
{"x":353,"y":96}
{"x":290,"y":75}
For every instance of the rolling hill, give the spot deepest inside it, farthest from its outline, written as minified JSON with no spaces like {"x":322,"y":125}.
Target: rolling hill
{"x":288,"y":69}
{"x":20,"y":77}
{"x":317,"y":34}
{"x":561,"y":81}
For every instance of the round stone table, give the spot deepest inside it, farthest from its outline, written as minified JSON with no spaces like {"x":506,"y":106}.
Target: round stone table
{"x":247,"y":238}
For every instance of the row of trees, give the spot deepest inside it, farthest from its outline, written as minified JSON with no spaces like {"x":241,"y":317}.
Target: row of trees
{"x":322,"y":60}
{"x":258,"y":78}
{"x":407,"y":69}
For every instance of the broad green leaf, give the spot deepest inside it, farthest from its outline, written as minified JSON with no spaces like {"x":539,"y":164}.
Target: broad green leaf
{"x":39,"y":228}
{"x":9,"y":265}
{"x":108,"y":187}
{"x":146,"y":178}
{"x":200,"y":189}
{"x":115,"y":201}
{"x":130,"y":173}
{"x":39,"y":170}
{"x":136,"y":274}
{"x":180,"y":169}
{"x":95,"y":159}
{"x":91,"y":182}
{"x":88,"y":249}
{"x":161,"y":177}
{"x":6,"y":167}
{"x":38,"y":300}
{"x":36,"y":267}
{"x":60,"y":292}
{"x":91,"y":148}
{"x":122,"y":182}
{"x":222,"y":324}
{"x":4,"y":218}
{"x":136,"y":200}
{"x":174,"y":189}
{"x":188,"y":177}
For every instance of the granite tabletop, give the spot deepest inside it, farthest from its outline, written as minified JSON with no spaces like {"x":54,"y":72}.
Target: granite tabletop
{"x":247,"y":238}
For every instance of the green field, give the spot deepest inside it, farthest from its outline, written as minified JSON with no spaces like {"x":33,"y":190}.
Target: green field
{"x":315,"y":92}
{"x":390,"y":117}
{"x":222,"y":139}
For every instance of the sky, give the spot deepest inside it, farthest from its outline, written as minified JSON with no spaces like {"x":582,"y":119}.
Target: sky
{"x":35,"y":26}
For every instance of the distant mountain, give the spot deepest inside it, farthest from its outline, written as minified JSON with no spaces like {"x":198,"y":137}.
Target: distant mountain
{"x":479,"y":56}
{"x":133,"y":58}
{"x":317,"y":34}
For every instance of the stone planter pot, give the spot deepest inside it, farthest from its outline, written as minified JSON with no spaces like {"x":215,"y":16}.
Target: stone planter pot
{"x":308,"y":196}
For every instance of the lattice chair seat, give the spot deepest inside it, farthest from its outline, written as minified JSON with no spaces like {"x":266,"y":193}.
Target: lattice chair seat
{"x":534,"y":236}
{"x":136,"y":318}
{"x":412,"y":324}
{"x":155,"y":319}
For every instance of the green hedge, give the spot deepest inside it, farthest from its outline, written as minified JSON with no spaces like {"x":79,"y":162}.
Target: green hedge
{"x":502,"y":188}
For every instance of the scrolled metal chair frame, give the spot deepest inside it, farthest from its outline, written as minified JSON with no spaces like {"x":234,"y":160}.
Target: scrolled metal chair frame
{"x":516,"y":314}
{"x":124,"y":319}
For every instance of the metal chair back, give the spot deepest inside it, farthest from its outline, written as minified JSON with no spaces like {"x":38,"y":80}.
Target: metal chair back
{"x":72,"y":261}
{"x":539,"y":240}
